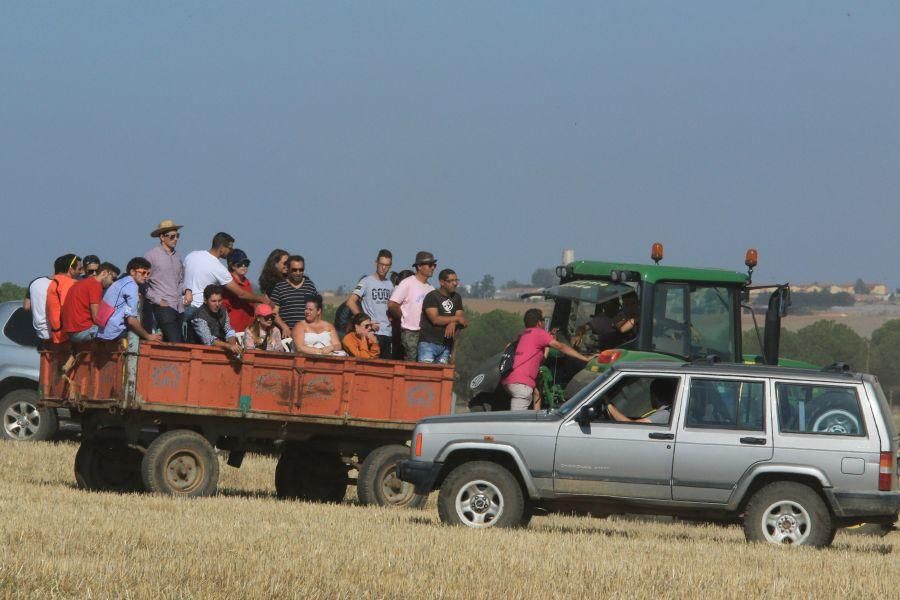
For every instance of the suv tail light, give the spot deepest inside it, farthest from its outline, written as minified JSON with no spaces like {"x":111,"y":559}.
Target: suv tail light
{"x":608,"y":356}
{"x":886,"y":472}
{"x":419,"y":444}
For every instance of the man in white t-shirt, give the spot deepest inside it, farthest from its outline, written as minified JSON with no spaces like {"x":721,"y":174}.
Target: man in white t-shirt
{"x":36,"y":302}
{"x":371,"y":297}
{"x":406,"y":303}
{"x":205,"y":267}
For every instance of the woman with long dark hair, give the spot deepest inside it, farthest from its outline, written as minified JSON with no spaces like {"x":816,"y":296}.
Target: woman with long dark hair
{"x":274,"y":270}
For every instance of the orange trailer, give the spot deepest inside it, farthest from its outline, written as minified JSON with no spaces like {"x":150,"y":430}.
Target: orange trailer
{"x":155,"y":415}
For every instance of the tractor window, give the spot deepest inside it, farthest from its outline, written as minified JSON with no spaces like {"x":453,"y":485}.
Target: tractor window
{"x":694,"y":321}
{"x":712,"y":322}
{"x":670,"y":319}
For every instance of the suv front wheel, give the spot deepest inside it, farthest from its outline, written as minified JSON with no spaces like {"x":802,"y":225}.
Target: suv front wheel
{"x":786,"y":512}
{"x":481,"y":494}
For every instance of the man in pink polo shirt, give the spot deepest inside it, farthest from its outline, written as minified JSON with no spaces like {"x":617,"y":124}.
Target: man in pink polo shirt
{"x":521,"y":381}
{"x":406,"y":302}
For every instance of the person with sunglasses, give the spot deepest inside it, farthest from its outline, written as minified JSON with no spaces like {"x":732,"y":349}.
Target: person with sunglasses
{"x":262,"y":334}
{"x":165,"y":292}
{"x":291,"y":295}
{"x":361,"y":341}
{"x":91,"y":264}
{"x":405,"y":303}
{"x":240,"y":312}
{"x":122,"y":297}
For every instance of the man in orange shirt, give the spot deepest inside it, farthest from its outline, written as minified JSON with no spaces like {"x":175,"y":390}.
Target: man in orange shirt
{"x":66,"y":268}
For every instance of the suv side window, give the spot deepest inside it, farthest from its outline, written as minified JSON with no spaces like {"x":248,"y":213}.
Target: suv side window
{"x":20,"y":330}
{"x":632,"y":396}
{"x":726,"y":404}
{"x":819,"y":409}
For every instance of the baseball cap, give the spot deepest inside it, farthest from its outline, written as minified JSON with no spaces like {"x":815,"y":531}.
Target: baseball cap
{"x":263,"y":310}
{"x":237,"y":256}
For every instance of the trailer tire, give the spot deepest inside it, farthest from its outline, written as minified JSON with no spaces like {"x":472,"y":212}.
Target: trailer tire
{"x":378,"y":483}
{"x":180,"y":463}
{"x":108,"y":466}
{"x":310,"y":476}
{"x":23,"y":421}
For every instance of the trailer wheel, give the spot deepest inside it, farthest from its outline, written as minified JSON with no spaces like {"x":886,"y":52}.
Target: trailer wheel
{"x":108,"y":466}
{"x":316,"y":477}
{"x":180,"y":463}
{"x":378,"y":482}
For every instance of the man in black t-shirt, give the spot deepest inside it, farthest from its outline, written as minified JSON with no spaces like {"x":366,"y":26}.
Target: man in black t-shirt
{"x":442,"y":318}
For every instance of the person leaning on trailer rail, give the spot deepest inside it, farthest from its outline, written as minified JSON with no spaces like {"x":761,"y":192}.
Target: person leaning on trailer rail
{"x":361,"y":341}
{"x":211,"y":324}
{"x":122,"y":297}
{"x":262,"y":334}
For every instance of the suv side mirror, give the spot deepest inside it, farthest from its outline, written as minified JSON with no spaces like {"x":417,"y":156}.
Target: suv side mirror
{"x":586,"y":414}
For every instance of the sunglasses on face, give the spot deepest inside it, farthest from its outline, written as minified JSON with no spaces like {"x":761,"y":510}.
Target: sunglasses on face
{"x":368,"y":326}
{"x":172,"y":236}
{"x":268,"y":318}
{"x":243,"y":263}
{"x":142,"y":272}
{"x":297,"y":270}
{"x":91,"y":271}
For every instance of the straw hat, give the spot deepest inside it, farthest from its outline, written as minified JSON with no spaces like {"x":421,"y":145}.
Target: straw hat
{"x":164,"y":226}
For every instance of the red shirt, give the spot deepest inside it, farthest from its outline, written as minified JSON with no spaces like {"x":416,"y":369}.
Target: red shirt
{"x":529,"y":356}
{"x":76,"y":310}
{"x":240,"y":312}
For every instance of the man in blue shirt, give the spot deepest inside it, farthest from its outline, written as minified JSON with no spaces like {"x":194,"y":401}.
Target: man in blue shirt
{"x":123,"y":297}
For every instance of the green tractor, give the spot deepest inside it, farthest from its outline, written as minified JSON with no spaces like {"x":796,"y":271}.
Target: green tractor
{"x":682,"y":314}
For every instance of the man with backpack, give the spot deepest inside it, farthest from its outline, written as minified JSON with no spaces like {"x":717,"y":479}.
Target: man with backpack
{"x":520,"y":382}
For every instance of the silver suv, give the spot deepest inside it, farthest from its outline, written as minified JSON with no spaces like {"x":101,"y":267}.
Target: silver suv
{"x":794,"y":454}
{"x":20,"y":417}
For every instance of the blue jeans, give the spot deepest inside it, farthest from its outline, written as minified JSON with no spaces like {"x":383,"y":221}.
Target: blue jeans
{"x":79,"y":337}
{"x":433,"y":353}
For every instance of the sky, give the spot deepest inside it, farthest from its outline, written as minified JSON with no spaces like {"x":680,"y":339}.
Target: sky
{"x":494,"y":134}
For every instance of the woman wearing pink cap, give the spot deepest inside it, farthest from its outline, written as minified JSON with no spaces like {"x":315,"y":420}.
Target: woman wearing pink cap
{"x":262,"y":334}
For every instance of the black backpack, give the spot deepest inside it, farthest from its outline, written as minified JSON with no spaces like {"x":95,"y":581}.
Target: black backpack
{"x":507,"y":359}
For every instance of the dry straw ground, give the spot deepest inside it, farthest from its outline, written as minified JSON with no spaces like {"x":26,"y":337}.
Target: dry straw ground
{"x":59,"y":542}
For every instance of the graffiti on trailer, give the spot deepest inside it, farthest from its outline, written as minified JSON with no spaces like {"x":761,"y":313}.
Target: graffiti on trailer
{"x":166,"y":376}
{"x":273,"y":383}
{"x":321,"y":386}
{"x":421,"y":394}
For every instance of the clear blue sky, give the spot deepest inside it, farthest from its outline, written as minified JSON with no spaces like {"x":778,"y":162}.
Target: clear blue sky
{"x":493,"y":134}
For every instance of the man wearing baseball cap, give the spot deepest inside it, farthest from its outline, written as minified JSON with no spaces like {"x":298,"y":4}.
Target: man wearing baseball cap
{"x":406,"y":302}
{"x":166,"y":294}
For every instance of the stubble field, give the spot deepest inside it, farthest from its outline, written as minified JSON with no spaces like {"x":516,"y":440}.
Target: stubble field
{"x":60,"y":542}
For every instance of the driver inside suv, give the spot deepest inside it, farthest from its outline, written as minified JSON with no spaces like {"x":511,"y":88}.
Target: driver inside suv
{"x":662,"y":396}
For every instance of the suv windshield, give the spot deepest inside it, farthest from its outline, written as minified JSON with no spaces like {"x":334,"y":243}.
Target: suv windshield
{"x":694,"y":320}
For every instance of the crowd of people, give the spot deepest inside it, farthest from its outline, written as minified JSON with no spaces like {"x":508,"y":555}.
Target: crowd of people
{"x":199,"y":299}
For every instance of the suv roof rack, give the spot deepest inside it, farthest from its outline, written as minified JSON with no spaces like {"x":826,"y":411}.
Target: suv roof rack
{"x":837,"y":367}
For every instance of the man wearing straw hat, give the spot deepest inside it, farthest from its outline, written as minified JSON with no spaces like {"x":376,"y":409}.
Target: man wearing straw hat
{"x":166,"y":293}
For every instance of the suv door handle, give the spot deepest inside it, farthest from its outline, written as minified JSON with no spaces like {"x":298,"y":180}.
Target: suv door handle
{"x":662,"y":436}
{"x":754,"y":440}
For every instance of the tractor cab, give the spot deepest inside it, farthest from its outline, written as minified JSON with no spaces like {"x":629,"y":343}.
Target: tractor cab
{"x":627,"y":312}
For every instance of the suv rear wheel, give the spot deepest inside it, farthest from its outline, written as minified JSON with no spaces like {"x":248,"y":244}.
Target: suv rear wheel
{"x":481,"y":494}
{"x":22,"y":419}
{"x":786,"y":512}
